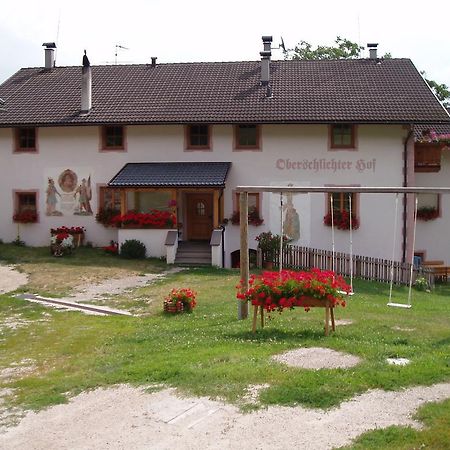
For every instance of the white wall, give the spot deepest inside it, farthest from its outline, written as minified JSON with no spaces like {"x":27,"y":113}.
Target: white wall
{"x":73,"y":147}
{"x":433,"y":236}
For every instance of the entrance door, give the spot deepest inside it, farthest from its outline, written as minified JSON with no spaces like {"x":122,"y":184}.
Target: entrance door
{"x":200,"y":216}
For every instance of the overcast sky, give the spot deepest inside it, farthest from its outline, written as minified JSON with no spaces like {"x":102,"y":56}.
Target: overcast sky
{"x":207,"y":30}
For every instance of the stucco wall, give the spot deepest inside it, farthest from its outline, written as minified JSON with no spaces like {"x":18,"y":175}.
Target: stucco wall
{"x":378,"y":161}
{"x":432,"y":236}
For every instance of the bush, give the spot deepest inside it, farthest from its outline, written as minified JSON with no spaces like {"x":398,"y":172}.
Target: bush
{"x":133,"y":249}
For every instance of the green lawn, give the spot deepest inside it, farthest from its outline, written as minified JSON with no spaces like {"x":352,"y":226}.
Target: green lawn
{"x":210,"y":352}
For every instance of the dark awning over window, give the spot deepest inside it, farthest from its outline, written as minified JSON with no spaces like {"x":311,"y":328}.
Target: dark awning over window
{"x":172,"y":174}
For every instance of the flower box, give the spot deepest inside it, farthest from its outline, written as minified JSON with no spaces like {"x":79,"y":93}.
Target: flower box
{"x":173,"y":308}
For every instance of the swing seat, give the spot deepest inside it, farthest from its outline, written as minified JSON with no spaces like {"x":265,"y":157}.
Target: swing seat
{"x":399,"y":305}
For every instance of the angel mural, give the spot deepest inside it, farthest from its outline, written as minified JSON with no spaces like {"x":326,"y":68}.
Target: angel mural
{"x":84,"y":193}
{"x":291,"y":223}
{"x":51,"y":199}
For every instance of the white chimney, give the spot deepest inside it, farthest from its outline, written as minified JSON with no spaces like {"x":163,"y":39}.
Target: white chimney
{"x":372,"y":51}
{"x":86,"y":85}
{"x":49,"y":54}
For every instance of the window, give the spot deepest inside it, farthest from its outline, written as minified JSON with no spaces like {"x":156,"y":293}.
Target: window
{"x":247,"y":137}
{"x":428,"y":206}
{"x":254,"y":217}
{"x":198,"y":137}
{"x":25,"y":140}
{"x":113,"y":137}
{"x":342,"y":136}
{"x":427,"y":157}
{"x":25,"y":207}
{"x":109,"y":198}
{"x":342,"y":213}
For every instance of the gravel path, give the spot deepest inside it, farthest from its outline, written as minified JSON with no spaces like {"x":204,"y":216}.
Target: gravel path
{"x":124,"y":417}
{"x":11,"y":279}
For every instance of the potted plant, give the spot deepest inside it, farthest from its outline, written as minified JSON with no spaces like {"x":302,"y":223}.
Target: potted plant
{"x":270,"y":246}
{"x":61,"y":244}
{"x":180,"y":300}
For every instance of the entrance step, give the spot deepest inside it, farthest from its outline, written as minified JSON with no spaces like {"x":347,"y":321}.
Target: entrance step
{"x":193,"y":253}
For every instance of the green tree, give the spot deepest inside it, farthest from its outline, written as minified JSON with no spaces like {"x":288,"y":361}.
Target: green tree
{"x":346,"y":49}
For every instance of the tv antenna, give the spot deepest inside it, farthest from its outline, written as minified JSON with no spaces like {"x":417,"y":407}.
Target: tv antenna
{"x":121,"y":47}
{"x":281,"y":46}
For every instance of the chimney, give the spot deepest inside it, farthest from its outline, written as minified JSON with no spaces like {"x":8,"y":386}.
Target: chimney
{"x":86,"y":85}
{"x":154,"y":58}
{"x":265,"y":60}
{"x":372,"y":51}
{"x":49,"y":54}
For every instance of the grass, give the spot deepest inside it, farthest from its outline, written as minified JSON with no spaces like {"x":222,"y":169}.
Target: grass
{"x":434,"y":435}
{"x":210,"y":352}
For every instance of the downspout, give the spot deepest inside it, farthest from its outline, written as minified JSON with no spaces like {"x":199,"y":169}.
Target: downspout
{"x":405,"y":184}
{"x":223,"y":229}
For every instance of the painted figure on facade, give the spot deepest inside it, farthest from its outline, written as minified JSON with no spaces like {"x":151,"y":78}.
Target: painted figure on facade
{"x":291,"y":223}
{"x":68,"y":180}
{"x":84,"y":193}
{"x":51,"y":199}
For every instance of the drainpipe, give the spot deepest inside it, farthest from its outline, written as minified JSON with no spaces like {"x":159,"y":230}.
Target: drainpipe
{"x":405,"y":184}
{"x":223,"y":229}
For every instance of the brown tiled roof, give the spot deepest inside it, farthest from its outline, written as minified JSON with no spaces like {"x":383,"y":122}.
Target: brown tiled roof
{"x":364,"y":91}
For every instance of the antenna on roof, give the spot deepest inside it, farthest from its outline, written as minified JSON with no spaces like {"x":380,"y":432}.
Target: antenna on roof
{"x":117,"y":49}
{"x":282,"y":46}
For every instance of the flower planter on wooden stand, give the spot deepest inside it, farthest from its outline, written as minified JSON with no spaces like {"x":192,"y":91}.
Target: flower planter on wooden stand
{"x":309,"y":302}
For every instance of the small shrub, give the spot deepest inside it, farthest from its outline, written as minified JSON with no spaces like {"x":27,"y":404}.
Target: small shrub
{"x":133,"y":249}
{"x":421,"y":284}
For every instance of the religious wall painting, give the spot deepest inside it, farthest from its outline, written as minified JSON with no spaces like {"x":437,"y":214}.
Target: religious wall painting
{"x":69,"y":192}
{"x":291,"y":219}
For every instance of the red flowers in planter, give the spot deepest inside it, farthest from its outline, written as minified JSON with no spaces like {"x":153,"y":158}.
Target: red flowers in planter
{"x":180,"y":300}
{"x":341,"y":220}
{"x":253,"y":217}
{"x":71,"y":230}
{"x":154,"y":219}
{"x":275,"y":291}
{"x":25,"y":217}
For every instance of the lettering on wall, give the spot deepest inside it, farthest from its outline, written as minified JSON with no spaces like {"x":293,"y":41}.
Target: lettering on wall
{"x":68,"y":191}
{"x":327,"y":165}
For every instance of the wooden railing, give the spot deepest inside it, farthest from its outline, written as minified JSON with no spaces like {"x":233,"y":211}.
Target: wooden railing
{"x":367,"y":268}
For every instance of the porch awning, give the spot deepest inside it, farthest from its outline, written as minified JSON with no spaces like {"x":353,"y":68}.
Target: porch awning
{"x":172,"y":174}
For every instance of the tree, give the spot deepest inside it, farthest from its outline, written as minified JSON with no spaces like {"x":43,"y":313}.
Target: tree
{"x":346,"y":49}
{"x":441,"y":91}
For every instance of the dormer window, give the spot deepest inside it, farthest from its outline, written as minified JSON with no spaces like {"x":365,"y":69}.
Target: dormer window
{"x":113,"y":137}
{"x":342,"y":135}
{"x":25,"y":139}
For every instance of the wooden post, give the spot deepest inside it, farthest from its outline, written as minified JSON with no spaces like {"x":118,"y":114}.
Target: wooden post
{"x":123,"y":202}
{"x":327,"y":319}
{"x":216,"y":209}
{"x":244,"y":263}
{"x":255,"y":317}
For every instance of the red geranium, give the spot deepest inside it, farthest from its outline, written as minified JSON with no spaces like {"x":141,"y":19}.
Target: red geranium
{"x":277,"y":291}
{"x":341,"y":220}
{"x":71,"y":230}
{"x":154,"y":219}
{"x":25,"y":217}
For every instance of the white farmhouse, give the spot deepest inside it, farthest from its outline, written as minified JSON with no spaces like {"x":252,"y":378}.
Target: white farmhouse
{"x":179,"y":138}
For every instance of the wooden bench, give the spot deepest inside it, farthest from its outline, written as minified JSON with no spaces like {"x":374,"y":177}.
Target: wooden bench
{"x":440,"y":271}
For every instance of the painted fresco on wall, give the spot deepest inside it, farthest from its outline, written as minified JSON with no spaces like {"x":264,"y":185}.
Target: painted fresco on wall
{"x":296,"y":215}
{"x":291,"y":219}
{"x":69,"y":192}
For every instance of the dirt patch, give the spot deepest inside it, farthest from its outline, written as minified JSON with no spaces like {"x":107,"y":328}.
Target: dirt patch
{"x":125,"y":417}
{"x":17,"y":370}
{"x":343,"y":322}
{"x":11,"y":279}
{"x":317,"y":358}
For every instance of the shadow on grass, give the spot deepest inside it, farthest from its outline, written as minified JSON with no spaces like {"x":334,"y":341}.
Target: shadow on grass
{"x":271,"y":335}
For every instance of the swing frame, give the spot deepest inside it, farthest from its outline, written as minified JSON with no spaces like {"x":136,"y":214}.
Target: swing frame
{"x":243,"y":204}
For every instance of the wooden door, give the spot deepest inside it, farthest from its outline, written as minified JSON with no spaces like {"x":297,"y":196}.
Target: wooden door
{"x":199,"y":216}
